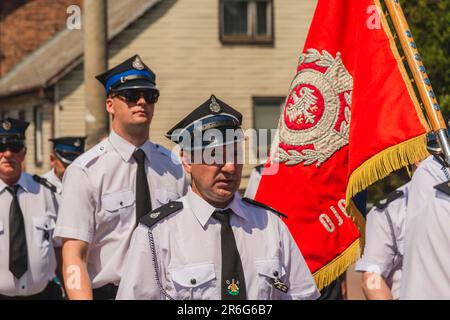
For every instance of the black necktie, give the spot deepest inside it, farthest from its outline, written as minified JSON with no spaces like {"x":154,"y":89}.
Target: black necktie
{"x":233,"y":281}
{"x":143,"y":201}
{"x":18,"y":254}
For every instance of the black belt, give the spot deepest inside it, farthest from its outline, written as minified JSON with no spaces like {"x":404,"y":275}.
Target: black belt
{"x":51,"y":292}
{"x":107,"y":292}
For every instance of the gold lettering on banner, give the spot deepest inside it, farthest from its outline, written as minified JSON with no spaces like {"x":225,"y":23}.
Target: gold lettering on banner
{"x":326,"y":218}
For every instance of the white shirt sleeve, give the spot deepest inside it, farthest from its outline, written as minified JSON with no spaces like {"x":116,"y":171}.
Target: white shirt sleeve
{"x":138,"y":278}
{"x":379,"y":251}
{"x":426,"y":272}
{"x":77,"y":208}
{"x":299,"y":278}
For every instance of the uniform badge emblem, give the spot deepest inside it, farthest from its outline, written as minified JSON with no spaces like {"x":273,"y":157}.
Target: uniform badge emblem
{"x":232,"y":287}
{"x":316,"y":117}
{"x":214,"y":106}
{"x":138,"y":64}
{"x":155,"y":215}
{"x":6,"y":125}
{"x":77,"y":143}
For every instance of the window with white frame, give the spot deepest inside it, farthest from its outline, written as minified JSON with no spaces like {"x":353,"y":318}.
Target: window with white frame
{"x":266,"y":113}
{"x":246,"y":21}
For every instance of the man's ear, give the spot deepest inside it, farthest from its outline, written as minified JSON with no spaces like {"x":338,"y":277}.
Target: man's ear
{"x":186,"y":161}
{"x":109,"y":105}
{"x":52,"y":159}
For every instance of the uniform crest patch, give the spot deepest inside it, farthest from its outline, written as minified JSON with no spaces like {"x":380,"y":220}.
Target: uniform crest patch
{"x":214,"y":106}
{"x":316,"y":117}
{"x":232,"y":287}
{"x":138,"y":64}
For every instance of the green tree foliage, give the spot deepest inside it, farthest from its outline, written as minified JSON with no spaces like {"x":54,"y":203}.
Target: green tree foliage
{"x":430,"y":24}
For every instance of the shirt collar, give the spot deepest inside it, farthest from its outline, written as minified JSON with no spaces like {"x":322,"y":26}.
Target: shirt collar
{"x":126,"y":149}
{"x":203,"y":210}
{"x":22,"y":182}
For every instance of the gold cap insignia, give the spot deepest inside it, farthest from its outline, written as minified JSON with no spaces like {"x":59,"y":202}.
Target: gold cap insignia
{"x":214,"y":106}
{"x":77,"y":143}
{"x":138,"y":64}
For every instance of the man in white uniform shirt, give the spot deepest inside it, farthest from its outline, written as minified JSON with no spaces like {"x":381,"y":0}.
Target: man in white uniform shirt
{"x":27,"y":221}
{"x":109,"y":187}
{"x":426,"y":272}
{"x":382,"y":260}
{"x":211,"y":244}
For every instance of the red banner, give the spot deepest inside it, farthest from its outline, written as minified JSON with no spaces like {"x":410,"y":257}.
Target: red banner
{"x":351,"y":118}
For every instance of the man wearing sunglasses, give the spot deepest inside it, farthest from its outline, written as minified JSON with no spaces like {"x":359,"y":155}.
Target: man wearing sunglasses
{"x":65,"y":150}
{"x":108,"y":188}
{"x":27,"y":221}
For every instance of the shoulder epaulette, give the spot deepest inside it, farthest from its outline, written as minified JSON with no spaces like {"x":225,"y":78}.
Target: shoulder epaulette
{"x":382,"y":204}
{"x":156,"y":215}
{"x":91,"y":154}
{"x":262,"y":205}
{"x":45,"y":183}
{"x":443,"y":187}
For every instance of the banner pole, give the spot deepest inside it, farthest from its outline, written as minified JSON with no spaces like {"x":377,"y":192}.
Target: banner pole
{"x":423,"y":82}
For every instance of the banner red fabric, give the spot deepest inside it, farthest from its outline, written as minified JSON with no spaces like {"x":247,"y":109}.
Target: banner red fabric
{"x":348,"y":102}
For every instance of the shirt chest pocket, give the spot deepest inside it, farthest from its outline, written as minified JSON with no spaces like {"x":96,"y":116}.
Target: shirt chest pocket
{"x":118,"y":209}
{"x":268,"y":271}
{"x":43,"y":232}
{"x":195,"y":282}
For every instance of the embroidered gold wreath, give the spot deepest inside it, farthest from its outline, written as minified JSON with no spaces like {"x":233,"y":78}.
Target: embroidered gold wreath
{"x":333,"y":84}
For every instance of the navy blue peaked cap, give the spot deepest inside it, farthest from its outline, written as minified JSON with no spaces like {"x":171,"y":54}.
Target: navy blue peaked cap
{"x":68,"y":148}
{"x":12,"y":130}
{"x":212,"y":114}
{"x":133,"y":73}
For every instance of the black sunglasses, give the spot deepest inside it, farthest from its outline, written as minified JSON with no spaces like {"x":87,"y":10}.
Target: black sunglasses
{"x":14,"y":147}
{"x":133,"y":95}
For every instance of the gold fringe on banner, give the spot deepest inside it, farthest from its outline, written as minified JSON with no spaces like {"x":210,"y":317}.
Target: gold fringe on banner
{"x":385,"y":162}
{"x":328,"y":273}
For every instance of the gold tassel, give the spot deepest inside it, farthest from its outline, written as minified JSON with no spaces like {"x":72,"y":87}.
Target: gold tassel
{"x":385,"y":162}
{"x":328,"y":273}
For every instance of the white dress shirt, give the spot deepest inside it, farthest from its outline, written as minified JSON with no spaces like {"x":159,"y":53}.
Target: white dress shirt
{"x":426,"y":263}
{"x":188,"y":252}
{"x":39,"y":213}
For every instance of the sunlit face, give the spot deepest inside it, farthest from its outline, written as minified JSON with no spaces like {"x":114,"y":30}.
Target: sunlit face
{"x":127,"y":113}
{"x":11,"y":164}
{"x":217,"y":182}
{"x":58,"y":166}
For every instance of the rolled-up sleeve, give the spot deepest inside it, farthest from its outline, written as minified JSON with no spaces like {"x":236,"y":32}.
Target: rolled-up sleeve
{"x":77,"y":209}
